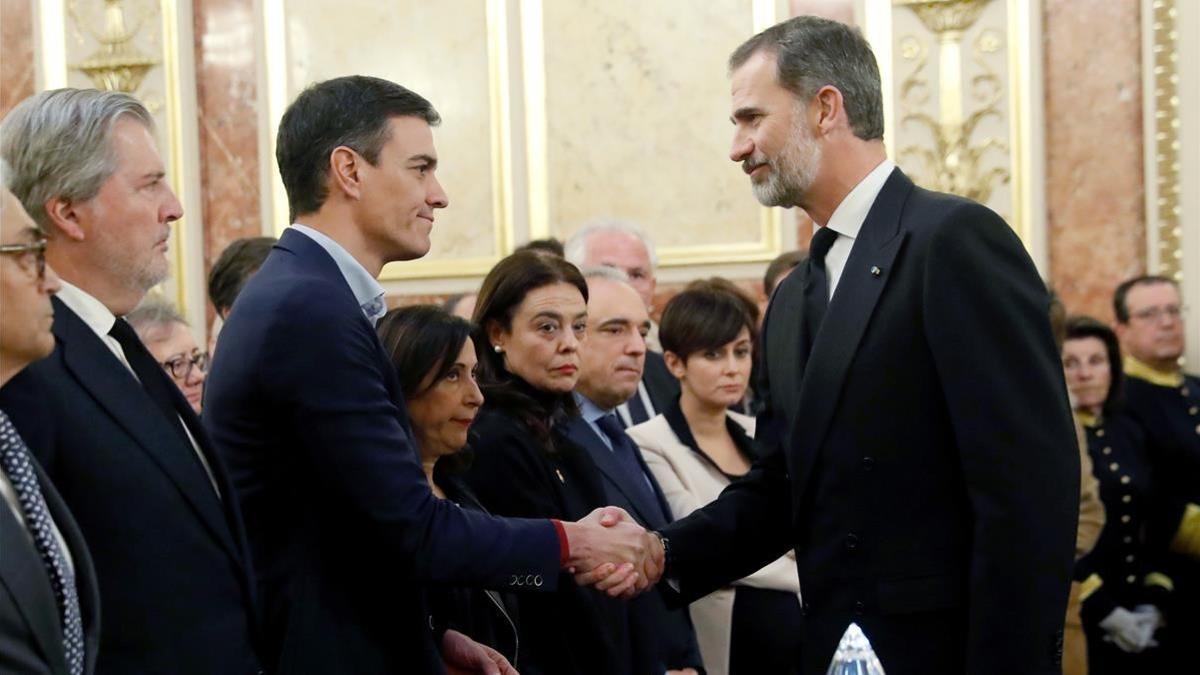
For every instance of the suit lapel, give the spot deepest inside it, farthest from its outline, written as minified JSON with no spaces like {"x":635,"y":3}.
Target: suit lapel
{"x":861,"y":284}
{"x":24,"y":575}
{"x":116,"y":390}
{"x":581,"y":433}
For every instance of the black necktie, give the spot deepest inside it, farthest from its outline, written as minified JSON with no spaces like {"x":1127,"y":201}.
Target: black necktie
{"x":16,"y":464}
{"x":150,"y":373}
{"x":816,"y":285}
{"x":623,"y":450}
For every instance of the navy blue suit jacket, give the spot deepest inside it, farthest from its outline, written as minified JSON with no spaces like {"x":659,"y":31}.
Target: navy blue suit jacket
{"x":922,"y":464}
{"x":176,"y":584}
{"x":305,"y":407}
{"x":669,"y":632}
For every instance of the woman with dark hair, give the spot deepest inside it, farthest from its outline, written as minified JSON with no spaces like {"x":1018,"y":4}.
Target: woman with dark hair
{"x":530,"y":318}
{"x":435,"y":361}
{"x":1124,"y":591}
{"x":696,"y":448}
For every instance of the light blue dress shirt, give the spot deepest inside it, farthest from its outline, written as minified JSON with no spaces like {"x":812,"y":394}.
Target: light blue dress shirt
{"x":365,"y":287}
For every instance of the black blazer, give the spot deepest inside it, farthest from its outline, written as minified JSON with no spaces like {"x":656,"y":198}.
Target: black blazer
{"x":31,"y":637}
{"x":660,"y":383}
{"x":669,"y":631}
{"x":176,"y":589}
{"x":575,"y":630}
{"x":304,"y":404}
{"x":924,"y":466}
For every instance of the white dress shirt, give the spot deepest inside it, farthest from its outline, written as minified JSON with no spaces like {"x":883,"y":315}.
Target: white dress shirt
{"x":101,"y":320}
{"x":848,"y":218}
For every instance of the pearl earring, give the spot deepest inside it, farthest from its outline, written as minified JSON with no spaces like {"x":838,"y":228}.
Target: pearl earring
{"x":498,"y":349}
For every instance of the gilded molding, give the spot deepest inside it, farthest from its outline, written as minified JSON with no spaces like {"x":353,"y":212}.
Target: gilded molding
{"x":117,"y":65}
{"x":1167,"y":208}
{"x":955,"y":163}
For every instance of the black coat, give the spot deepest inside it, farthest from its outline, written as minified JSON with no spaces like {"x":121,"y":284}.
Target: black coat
{"x":574,"y":630}
{"x":176,"y":585}
{"x":31,"y":636}
{"x":923,"y":466}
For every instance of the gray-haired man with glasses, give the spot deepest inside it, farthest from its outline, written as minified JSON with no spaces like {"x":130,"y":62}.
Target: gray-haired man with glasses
{"x":49,"y":607}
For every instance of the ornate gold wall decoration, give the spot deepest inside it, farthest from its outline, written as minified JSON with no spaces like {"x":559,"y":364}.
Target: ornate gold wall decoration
{"x":117,"y":65}
{"x":1166,"y":209}
{"x":955,"y":161}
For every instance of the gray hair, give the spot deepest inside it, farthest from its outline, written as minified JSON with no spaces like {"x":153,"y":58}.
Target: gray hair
{"x":5,"y":174}
{"x":58,"y":144}
{"x":575,"y":248}
{"x":811,"y":53}
{"x":601,"y":272}
{"x":153,"y":314}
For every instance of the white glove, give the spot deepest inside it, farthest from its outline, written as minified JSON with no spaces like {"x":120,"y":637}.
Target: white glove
{"x":1150,"y":620}
{"x":1123,"y":628}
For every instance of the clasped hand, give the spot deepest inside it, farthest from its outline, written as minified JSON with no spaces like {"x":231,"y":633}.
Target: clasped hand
{"x":611,"y":552}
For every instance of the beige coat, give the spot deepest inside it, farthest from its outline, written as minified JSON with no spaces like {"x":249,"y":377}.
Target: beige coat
{"x":688,"y":483}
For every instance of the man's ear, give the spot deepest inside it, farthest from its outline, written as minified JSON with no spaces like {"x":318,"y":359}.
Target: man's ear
{"x":345,"y":167}
{"x":829,"y":109}
{"x":65,"y":216}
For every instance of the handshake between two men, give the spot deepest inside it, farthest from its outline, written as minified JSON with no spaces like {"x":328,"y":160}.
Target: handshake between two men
{"x":611,"y":552}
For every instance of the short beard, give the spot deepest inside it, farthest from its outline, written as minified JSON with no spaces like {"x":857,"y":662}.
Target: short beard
{"x":793,"y":172}
{"x":124,"y":265}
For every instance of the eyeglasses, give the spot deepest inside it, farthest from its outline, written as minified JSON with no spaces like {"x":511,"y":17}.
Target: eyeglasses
{"x":180,"y":367}
{"x":1154,"y":314}
{"x":31,"y":256}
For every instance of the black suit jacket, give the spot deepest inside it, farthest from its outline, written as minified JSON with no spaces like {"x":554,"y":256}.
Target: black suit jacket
{"x":31,"y":637}
{"x":924,"y":467}
{"x":304,"y":404}
{"x":575,"y":631}
{"x":176,"y":588}
{"x":660,"y":383}
{"x":667,"y":630}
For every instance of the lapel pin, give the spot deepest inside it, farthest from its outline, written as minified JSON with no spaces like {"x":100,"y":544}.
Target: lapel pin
{"x":875,"y":271}
{"x":561,"y":478}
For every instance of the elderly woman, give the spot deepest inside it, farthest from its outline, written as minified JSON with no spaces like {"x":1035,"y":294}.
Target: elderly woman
{"x":168,"y":337}
{"x":1124,"y":590}
{"x":435,"y":362}
{"x":530,"y":318}
{"x":697,"y":447}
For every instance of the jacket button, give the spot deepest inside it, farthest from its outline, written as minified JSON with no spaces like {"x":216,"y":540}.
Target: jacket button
{"x":868,"y":463}
{"x":851,"y":541}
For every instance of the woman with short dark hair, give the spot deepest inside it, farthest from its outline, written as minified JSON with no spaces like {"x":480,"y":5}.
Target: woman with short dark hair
{"x":435,"y":362}
{"x":1125,"y":590}
{"x":530,"y":318}
{"x":696,"y":448}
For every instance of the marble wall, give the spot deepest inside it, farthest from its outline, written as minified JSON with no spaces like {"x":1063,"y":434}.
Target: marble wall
{"x":17,"y":73}
{"x":1094,"y":176}
{"x":227,"y":99}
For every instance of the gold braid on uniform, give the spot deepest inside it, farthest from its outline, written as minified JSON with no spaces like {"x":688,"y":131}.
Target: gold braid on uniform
{"x":1187,"y":537}
{"x":1089,"y":585}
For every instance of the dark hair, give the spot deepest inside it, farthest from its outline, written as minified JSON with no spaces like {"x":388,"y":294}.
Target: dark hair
{"x":1121,"y":295}
{"x":503,"y":290}
{"x":422,"y":339}
{"x":234,"y":267}
{"x":784,"y":262}
{"x":1079,"y":327}
{"x":548,"y":245}
{"x":708,"y":314}
{"x":811,"y":53}
{"x":352,"y":111}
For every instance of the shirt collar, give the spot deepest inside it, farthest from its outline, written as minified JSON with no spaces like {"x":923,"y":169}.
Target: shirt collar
{"x":1142,"y":371}
{"x":590,"y":411}
{"x":365,"y":287}
{"x":848,"y":217}
{"x":93,"y":312}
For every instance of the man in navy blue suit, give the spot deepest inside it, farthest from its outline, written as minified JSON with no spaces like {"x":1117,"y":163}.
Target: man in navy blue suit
{"x":115,"y":436}
{"x":306,"y":409}
{"x":611,"y":367}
